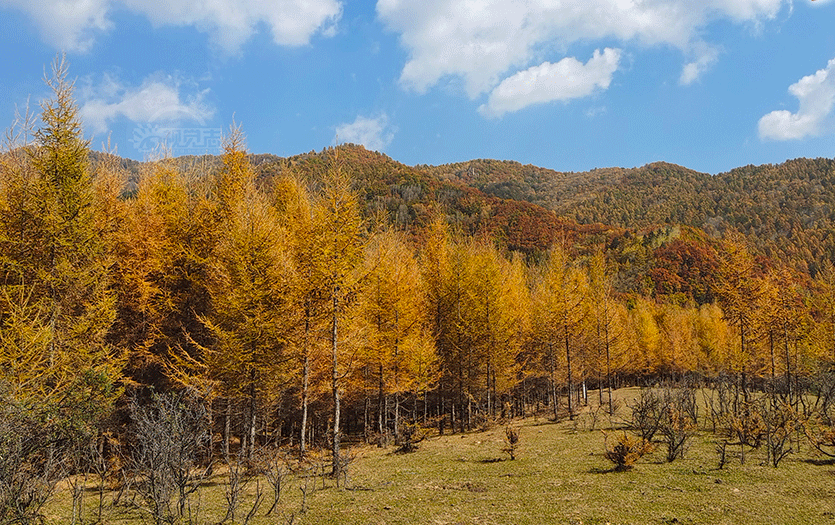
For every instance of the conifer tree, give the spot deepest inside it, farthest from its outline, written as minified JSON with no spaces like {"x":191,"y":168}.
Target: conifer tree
{"x":145,"y":280}
{"x":296,"y":212}
{"x":561,"y":309}
{"x":436,"y":268}
{"x":250,"y":291}
{"x":394,"y":312}
{"x":713,"y":336}
{"x":604,"y":312}
{"x":338,"y":240}
{"x":739,"y":290}
{"x":823,"y":303}
{"x":56,"y":261}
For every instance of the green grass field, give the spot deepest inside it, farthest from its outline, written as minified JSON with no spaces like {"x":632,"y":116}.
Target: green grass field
{"x":560,"y":476}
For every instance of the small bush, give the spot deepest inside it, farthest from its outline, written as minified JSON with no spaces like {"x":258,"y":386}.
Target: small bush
{"x":747,"y":426}
{"x":627,"y":451}
{"x":168,"y":436}
{"x":820,"y":435}
{"x":781,"y":422}
{"x":511,"y":441}
{"x":677,"y":430}
{"x":410,"y":436}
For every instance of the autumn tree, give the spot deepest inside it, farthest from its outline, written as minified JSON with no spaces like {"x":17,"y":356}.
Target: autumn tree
{"x":441,"y":291}
{"x":678,"y":341}
{"x":783,"y":312}
{"x":338,"y":240}
{"x":58,"y":373}
{"x":560,"y":309}
{"x":56,"y":300}
{"x":604,"y":310}
{"x":646,"y":338}
{"x":713,"y":338}
{"x":739,"y":289}
{"x":394,"y":311}
{"x":823,"y":305}
{"x":295,"y":209}
{"x":250,"y":289}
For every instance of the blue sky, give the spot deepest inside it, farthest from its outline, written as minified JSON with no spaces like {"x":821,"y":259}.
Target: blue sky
{"x":565,"y":84}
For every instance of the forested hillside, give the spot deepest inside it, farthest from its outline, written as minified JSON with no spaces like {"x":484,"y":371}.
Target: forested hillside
{"x":785,"y":210}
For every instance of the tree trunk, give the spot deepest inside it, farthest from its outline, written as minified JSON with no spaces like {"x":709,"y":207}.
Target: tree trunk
{"x":305,"y":383}
{"x":336,"y":460}
{"x":570,"y":380}
{"x":305,"y":396}
{"x":252,"y":416}
{"x":609,"y":372}
{"x":227,"y":427}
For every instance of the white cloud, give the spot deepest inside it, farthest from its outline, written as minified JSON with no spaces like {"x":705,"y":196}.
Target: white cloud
{"x":73,"y":24}
{"x":547,"y":82}
{"x":691,"y":71}
{"x":158,"y":100}
{"x":482,"y":41}
{"x":816,"y":95}
{"x":70,"y":25}
{"x":373,"y":133}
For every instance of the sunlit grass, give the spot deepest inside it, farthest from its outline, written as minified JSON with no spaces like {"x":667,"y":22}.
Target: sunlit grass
{"x":560,"y":476}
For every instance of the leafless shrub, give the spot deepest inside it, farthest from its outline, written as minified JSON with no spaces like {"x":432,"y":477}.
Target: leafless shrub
{"x":677,"y":430}
{"x":677,"y":424}
{"x":647,"y":412}
{"x":781,"y":422}
{"x":720,"y":401}
{"x":671,"y":412}
{"x":274,"y":464}
{"x":239,"y":476}
{"x":824,"y":405}
{"x":821,"y":435}
{"x":168,"y":436}
{"x":31,"y":450}
{"x":747,"y":426}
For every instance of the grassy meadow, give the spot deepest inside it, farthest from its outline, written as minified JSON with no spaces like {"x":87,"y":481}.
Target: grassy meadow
{"x":560,"y":476}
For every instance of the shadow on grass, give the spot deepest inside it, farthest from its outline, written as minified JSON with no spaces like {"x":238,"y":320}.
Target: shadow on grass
{"x":612,"y":470}
{"x":820,"y":462}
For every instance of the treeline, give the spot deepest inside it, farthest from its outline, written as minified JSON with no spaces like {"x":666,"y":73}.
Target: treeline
{"x":298,"y":319}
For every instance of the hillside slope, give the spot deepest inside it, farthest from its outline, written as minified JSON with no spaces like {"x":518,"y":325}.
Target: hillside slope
{"x":786,"y":210}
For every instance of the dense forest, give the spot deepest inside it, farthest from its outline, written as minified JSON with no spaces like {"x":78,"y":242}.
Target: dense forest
{"x":785,"y":211}
{"x":341,"y":294}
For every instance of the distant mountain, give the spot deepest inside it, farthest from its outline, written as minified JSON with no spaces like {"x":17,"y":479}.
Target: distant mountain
{"x":787,"y":211}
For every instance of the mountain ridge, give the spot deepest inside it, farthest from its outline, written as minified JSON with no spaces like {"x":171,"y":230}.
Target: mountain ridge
{"x":786,"y":210}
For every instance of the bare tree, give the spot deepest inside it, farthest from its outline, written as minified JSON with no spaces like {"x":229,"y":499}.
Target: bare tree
{"x":31,"y":451}
{"x":169,"y":434}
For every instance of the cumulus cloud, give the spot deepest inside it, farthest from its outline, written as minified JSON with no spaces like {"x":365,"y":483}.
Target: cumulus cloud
{"x":816,"y":96}
{"x":73,"y":24}
{"x":158,"y":100}
{"x":483,"y":41}
{"x":373,"y":133}
{"x":567,"y":79}
{"x":67,"y":24}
